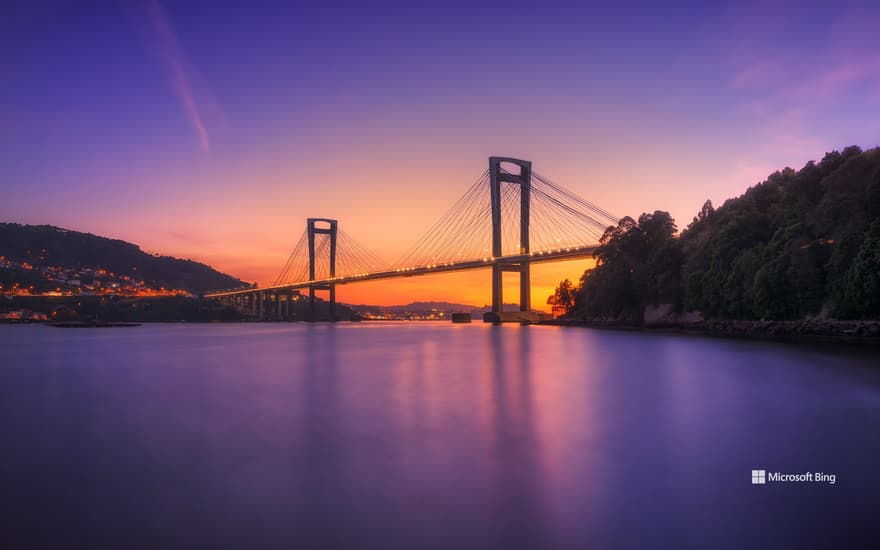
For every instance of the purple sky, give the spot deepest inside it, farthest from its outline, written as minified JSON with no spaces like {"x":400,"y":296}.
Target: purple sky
{"x":213,"y":129}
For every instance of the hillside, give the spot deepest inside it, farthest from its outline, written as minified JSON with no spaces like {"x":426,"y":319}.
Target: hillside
{"x":415,"y":307}
{"x":803,"y":243}
{"x":46,"y":246}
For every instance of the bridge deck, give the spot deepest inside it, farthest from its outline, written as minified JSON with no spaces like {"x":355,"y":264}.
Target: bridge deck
{"x":535,"y":257}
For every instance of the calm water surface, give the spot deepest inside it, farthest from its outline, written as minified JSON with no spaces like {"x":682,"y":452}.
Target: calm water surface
{"x":419,"y":435}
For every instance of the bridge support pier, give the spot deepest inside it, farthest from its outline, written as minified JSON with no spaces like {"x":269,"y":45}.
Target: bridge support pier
{"x":331,"y":302}
{"x":312,"y":306}
{"x":291,"y":298}
{"x":497,"y":288}
{"x":497,"y":176}
{"x":525,"y":295}
{"x":331,"y":229}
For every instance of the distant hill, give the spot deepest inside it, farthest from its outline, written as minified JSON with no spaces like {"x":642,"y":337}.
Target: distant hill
{"x":429,"y":306}
{"x":47,"y":246}
{"x":426,"y":308}
{"x":415,"y":307}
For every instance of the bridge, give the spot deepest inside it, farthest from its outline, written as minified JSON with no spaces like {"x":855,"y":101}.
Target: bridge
{"x":509,"y":219}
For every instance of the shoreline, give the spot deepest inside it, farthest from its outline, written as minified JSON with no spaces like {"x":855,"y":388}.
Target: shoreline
{"x":835,"y":332}
{"x":830,"y":331}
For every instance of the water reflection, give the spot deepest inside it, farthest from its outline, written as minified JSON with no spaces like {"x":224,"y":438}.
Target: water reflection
{"x":319,"y":474}
{"x":517,"y":472}
{"x":428,"y":436}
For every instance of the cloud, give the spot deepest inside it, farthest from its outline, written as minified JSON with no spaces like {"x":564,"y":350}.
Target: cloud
{"x":796,"y":91}
{"x":175,"y":64}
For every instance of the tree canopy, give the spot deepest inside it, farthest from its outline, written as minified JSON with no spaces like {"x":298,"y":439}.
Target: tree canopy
{"x":802,"y":243}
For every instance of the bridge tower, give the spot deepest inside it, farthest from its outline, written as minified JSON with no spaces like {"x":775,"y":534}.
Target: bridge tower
{"x":327,"y":227}
{"x":497,"y":176}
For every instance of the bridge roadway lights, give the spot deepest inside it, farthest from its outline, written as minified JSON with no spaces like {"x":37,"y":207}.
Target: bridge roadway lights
{"x":517,"y":263}
{"x":497,"y":176}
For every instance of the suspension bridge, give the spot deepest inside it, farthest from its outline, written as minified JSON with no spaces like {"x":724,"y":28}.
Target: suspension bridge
{"x":509,"y":219}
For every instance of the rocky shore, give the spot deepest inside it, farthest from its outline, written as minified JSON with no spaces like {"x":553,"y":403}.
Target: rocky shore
{"x":807,"y":330}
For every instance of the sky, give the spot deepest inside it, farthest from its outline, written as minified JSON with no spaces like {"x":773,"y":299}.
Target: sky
{"x":212,"y":130}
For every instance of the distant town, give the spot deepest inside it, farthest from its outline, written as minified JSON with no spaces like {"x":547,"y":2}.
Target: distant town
{"x":24,"y":280}
{"x":88,"y":281}
{"x":422,"y":311}
{"x":49,"y":273}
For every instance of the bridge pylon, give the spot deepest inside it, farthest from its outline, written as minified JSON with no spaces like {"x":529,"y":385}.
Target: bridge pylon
{"x":328,"y":227}
{"x":497,"y":176}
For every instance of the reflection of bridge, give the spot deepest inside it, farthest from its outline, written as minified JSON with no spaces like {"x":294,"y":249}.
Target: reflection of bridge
{"x":525,"y":219}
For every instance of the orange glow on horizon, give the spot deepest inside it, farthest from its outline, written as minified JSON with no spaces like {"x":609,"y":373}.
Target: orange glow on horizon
{"x":467,"y":287}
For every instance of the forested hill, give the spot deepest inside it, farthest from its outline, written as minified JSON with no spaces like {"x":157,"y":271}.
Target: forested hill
{"x":800,"y":244}
{"x":48,"y":246}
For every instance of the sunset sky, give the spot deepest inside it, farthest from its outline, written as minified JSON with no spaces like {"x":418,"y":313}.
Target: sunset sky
{"x":212,"y":130}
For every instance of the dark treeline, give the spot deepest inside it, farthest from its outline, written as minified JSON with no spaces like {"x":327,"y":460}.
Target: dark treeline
{"x":800,"y":244}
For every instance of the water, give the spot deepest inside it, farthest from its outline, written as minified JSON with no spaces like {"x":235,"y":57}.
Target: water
{"x":420,"y":435}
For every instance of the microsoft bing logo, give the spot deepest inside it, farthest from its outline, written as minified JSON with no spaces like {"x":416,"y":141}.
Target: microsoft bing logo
{"x":759,"y":477}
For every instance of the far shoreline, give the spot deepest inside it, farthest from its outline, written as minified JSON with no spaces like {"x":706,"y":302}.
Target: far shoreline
{"x":862,"y":333}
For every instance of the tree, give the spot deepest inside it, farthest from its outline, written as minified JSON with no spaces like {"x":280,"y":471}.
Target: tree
{"x":563,"y":299}
{"x":704,"y":214}
{"x":863,"y":279}
{"x":638,"y":263}
{"x":799,"y":243}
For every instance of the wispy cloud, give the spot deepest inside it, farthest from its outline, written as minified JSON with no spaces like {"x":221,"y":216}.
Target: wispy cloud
{"x":175,"y":63}
{"x":790,"y":89}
